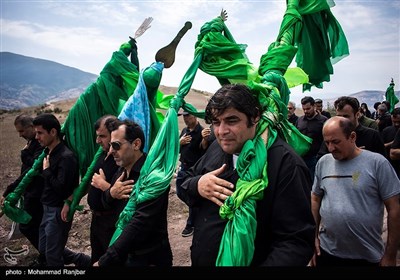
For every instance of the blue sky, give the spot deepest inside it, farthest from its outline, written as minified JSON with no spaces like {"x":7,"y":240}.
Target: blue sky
{"x":83,"y":34}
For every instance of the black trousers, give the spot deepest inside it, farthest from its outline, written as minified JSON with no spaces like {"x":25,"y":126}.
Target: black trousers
{"x":102,"y":229}
{"x":326,"y":259}
{"x":159,"y":255}
{"x":34,"y":207}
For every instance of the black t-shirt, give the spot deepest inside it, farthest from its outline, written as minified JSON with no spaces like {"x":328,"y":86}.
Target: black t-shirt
{"x":191,"y":152}
{"x":396,"y":145}
{"x":109,"y":168}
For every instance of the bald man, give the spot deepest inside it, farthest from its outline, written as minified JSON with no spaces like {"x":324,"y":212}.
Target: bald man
{"x":350,"y":190}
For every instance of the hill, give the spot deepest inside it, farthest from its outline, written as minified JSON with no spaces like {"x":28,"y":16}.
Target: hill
{"x":28,"y":81}
{"x":365,"y":96}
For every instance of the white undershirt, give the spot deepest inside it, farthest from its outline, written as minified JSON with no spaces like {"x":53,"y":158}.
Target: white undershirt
{"x":235,"y":158}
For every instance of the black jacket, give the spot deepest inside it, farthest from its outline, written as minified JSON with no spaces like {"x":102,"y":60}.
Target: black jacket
{"x":109,"y":168}
{"x":61,"y":178}
{"x":28,"y":157}
{"x":285,"y":225}
{"x":146,"y":230}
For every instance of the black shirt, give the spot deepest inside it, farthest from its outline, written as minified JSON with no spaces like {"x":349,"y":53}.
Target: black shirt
{"x":191,"y":152}
{"x":285,"y":225}
{"x":109,"y":168}
{"x":313,"y":129}
{"x":61,"y":178}
{"x":293,"y":119}
{"x":146,"y":229}
{"x":110,"y":203}
{"x":396,"y":145}
{"x":28,"y":156}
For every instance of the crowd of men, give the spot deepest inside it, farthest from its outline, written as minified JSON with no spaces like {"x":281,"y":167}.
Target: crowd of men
{"x":252,"y":199}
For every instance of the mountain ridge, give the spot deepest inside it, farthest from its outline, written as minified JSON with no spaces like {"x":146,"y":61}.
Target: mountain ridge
{"x":28,"y":81}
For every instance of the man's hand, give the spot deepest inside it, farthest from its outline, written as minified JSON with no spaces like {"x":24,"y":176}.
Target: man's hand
{"x":205,"y":133}
{"x":64,"y":212}
{"x":317,"y":252}
{"x":46,"y":162}
{"x":213,"y":188}
{"x":185,"y":139}
{"x":121,"y":189}
{"x":99,"y":181}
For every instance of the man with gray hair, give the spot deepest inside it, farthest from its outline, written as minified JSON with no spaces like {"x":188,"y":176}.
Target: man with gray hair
{"x":292,"y":117}
{"x":32,"y":205}
{"x":384,"y":118}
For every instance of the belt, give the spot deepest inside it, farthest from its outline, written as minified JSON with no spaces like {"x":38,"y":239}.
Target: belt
{"x":102,"y":213}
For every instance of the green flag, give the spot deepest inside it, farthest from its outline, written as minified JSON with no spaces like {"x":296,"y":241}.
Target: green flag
{"x":391,"y":97}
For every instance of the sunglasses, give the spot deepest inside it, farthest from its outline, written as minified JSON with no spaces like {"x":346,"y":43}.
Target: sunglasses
{"x":117,"y":145}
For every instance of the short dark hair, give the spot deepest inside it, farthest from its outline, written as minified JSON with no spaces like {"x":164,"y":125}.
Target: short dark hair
{"x":24,"y":120}
{"x":396,"y":111}
{"x":237,"y":96}
{"x":388,"y":105}
{"x":376,"y":104}
{"x":318,"y":100}
{"x":48,"y":122}
{"x":108,"y":119}
{"x":347,"y":100}
{"x":383,"y":107}
{"x":307,"y":99}
{"x":132,"y":131}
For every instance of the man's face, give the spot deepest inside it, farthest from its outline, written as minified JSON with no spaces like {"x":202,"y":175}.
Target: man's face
{"x":396,"y":121}
{"x":27,"y":132}
{"x":309,"y":110}
{"x":103,"y":137}
{"x":338,"y":145}
{"x":45,"y":138}
{"x":291,"y":109}
{"x":190,"y":120}
{"x":231,"y":131}
{"x":318,"y":107}
{"x":124,"y":156}
{"x":347,"y":112}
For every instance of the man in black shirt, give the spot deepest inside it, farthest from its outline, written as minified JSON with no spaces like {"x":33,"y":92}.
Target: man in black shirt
{"x":191,"y":149}
{"x":311,"y":125}
{"x":272,"y":216}
{"x":292,"y":117}
{"x":102,"y":226}
{"x":319,"y":108}
{"x":395,"y":153}
{"x":144,"y":240}
{"x":388,"y":136}
{"x":32,"y":205}
{"x":61,"y":177}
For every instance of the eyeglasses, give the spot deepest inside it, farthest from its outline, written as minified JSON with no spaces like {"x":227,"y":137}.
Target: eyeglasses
{"x":290,"y":108}
{"x":117,"y":145}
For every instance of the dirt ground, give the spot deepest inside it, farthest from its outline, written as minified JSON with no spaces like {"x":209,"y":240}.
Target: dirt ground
{"x":79,"y":235}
